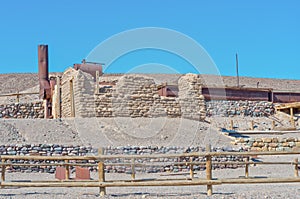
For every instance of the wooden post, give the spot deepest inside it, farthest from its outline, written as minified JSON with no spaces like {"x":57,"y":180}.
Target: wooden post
{"x":296,"y":168}
{"x":58,"y":100}
{"x":208,"y":169}
{"x":72,"y":103}
{"x":3,"y":172}
{"x":46,"y":109}
{"x":292,"y":117}
{"x":132,"y":169}
{"x":191,"y":168}
{"x":231,"y":125}
{"x":101,"y":172}
{"x":273,"y":125}
{"x":252,"y":125}
{"x":18,"y":97}
{"x":67,"y":170}
{"x":247,"y":167}
{"x":97,"y":82}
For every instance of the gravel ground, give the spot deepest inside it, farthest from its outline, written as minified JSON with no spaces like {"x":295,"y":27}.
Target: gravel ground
{"x":258,"y":191}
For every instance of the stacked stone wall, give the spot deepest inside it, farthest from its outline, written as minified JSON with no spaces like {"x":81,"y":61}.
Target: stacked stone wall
{"x":71,"y":150}
{"x":83,"y":94}
{"x":22,"y":110}
{"x":269,"y":144}
{"x":245,"y":108}
{"x":135,"y":96}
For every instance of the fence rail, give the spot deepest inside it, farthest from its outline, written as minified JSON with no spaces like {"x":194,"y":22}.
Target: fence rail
{"x":17,"y":95}
{"x":99,"y":162}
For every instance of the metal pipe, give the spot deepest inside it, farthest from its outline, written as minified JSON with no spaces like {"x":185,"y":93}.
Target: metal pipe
{"x":45,"y":91}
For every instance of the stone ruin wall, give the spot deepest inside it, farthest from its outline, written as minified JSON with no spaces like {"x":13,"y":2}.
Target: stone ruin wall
{"x":82,"y":96}
{"x":137,"y":96}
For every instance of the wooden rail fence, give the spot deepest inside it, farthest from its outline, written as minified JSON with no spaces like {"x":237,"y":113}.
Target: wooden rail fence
{"x":102,"y":183}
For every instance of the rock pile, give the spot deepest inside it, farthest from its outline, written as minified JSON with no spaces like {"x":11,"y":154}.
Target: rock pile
{"x":22,"y":110}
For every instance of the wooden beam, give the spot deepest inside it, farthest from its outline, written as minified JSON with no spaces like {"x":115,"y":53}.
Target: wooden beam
{"x":208,"y":170}
{"x":72,"y":102}
{"x":296,"y":163}
{"x":101,"y":173}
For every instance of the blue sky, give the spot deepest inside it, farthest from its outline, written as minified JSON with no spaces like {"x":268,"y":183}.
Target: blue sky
{"x":265,"y":34}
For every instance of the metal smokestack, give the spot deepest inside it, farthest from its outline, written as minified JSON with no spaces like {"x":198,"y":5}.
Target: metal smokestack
{"x":45,"y":91}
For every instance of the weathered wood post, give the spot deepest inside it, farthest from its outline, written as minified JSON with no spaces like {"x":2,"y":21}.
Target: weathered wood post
{"x":132,"y":169}
{"x":3,"y":171}
{"x":72,"y":98}
{"x":296,"y":168}
{"x":247,"y":167}
{"x":191,"y":168}
{"x":273,"y":125}
{"x":208,"y":169}
{"x":231,"y":125}
{"x":292,"y":117}
{"x":18,"y":97}
{"x":101,"y":172}
{"x":67,"y":170}
{"x":252,"y":125}
{"x":58,"y":100}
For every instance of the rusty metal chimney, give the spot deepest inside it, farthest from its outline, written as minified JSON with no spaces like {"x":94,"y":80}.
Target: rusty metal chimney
{"x":45,"y":90}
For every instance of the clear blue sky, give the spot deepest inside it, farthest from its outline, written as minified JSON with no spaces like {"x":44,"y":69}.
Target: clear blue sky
{"x":265,"y":34}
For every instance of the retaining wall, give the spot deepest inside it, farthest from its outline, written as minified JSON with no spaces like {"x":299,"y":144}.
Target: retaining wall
{"x":60,"y":150}
{"x":269,"y":144}
{"x":22,"y":110}
{"x":245,"y":108}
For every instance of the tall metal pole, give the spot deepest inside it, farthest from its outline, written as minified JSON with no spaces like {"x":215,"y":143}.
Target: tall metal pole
{"x":237,"y":70}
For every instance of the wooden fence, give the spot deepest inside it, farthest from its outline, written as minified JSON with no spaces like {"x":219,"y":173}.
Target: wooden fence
{"x":17,"y":95}
{"x":98,"y":160}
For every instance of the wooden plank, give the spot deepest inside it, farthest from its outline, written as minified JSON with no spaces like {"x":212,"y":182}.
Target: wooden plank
{"x":112,"y":184}
{"x":259,"y":180}
{"x":287,"y":105}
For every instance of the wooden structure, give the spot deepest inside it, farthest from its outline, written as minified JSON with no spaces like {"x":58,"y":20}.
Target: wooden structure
{"x":209,"y":181}
{"x":289,"y":108}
